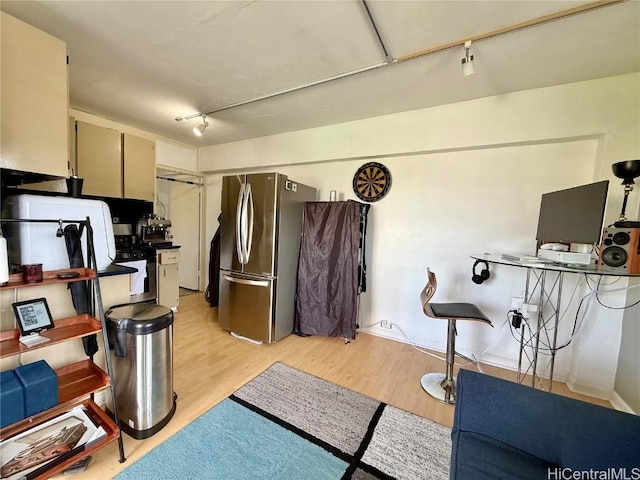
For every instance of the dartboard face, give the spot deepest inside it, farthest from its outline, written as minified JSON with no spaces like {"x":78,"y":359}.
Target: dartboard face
{"x":371,"y":182}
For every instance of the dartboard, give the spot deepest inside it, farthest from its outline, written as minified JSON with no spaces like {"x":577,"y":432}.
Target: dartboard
{"x":371,"y":182}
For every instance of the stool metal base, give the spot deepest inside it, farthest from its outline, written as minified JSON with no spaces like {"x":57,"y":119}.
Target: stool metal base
{"x":440,"y":387}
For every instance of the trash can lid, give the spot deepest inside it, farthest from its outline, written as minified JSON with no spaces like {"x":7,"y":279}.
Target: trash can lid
{"x":140,"y":318}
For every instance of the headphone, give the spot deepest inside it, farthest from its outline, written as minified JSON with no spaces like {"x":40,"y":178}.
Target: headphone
{"x":484,"y":273}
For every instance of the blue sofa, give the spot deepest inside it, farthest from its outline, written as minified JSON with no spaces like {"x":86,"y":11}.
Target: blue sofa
{"x":505,"y":430}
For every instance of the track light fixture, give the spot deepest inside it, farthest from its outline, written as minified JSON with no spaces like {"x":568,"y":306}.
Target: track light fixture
{"x":199,"y":130}
{"x":467,"y":61}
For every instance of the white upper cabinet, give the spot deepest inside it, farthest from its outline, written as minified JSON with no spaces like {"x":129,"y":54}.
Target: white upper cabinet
{"x":99,"y":159}
{"x":139,"y":168}
{"x":34,"y":99}
{"x":115,"y":164}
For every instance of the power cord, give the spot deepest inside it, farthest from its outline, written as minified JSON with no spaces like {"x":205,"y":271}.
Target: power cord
{"x":545,"y":347}
{"x":426,"y":352}
{"x":371,"y":325}
{"x":515,"y":319}
{"x":581,"y":313}
{"x":471,"y":361}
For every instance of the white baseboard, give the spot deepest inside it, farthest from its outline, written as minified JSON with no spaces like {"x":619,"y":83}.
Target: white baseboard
{"x":441,"y":347}
{"x":619,"y":404}
{"x":587,"y":390}
{"x":394,"y":334}
{"x":560,"y":375}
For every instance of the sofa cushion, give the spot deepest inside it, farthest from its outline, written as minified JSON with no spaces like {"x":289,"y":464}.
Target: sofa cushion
{"x":558,"y":430}
{"x":508,"y":412}
{"x":478,"y":457}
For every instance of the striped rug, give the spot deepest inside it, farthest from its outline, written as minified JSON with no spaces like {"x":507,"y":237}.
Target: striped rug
{"x":286,"y":424}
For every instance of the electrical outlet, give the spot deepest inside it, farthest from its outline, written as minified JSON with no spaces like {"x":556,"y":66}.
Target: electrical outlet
{"x":386,"y":324}
{"x":516,"y":303}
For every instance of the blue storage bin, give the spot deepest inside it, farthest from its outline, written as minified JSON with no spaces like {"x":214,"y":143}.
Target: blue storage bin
{"x":40,"y":385}
{"x":11,"y":399}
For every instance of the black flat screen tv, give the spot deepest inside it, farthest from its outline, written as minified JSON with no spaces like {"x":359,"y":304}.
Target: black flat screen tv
{"x":573,"y":215}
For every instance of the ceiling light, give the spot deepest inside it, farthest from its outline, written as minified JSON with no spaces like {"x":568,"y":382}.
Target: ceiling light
{"x":199,"y":130}
{"x":467,"y":61}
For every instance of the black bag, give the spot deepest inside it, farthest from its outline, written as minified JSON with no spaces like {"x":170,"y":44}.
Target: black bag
{"x":212,"y":292}
{"x":79,"y":290}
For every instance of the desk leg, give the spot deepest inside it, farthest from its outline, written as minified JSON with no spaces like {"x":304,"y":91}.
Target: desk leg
{"x":520,"y":374}
{"x":522,"y":328}
{"x":538,"y":330}
{"x":555,"y":331}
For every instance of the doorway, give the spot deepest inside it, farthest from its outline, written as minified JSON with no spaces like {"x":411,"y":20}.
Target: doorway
{"x":179,"y":198}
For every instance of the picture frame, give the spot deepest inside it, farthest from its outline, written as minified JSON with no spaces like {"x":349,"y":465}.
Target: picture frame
{"x":33,"y":316}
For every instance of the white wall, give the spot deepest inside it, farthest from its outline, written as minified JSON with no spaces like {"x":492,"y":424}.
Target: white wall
{"x":467,"y":178}
{"x":176,"y":157}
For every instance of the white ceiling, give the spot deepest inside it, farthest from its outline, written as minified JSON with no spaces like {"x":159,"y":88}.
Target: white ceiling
{"x":144,"y":63}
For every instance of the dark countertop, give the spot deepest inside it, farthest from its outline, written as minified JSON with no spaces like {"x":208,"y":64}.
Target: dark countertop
{"x":114,"y":269}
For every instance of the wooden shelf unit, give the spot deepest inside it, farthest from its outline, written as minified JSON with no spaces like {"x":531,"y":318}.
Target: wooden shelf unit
{"x":76,"y":381}
{"x":99,"y":417}
{"x":80,"y":379}
{"x":49,"y":277}
{"x":65,"y":329}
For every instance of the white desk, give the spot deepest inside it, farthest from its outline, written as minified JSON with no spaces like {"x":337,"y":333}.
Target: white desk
{"x":543,"y":287}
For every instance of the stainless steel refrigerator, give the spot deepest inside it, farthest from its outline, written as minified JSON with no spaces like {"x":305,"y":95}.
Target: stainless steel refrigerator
{"x":260,"y":229}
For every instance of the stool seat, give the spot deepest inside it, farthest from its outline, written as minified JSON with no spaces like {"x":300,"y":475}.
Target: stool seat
{"x":460,"y":311}
{"x":438,"y":385}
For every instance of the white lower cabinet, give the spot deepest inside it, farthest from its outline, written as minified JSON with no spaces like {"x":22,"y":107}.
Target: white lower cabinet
{"x":167,"y":277}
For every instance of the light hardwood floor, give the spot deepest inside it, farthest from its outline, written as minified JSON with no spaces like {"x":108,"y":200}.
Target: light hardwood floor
{"x":210,"y":364}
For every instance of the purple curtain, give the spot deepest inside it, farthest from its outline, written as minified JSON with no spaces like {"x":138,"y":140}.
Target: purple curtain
{"x":327,"y":291}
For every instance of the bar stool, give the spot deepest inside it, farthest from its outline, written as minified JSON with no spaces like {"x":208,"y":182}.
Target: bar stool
{"x":443,"y":386}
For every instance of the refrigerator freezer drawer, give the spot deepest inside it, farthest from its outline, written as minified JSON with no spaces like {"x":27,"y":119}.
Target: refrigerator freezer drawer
{"x":246,"y":306}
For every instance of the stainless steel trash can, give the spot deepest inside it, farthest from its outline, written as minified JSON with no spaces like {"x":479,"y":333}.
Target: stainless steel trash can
{"x":141,"y":335}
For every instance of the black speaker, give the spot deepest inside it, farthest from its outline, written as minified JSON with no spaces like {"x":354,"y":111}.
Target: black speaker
{"x":484,"y":274}
{"x":620,"y":249}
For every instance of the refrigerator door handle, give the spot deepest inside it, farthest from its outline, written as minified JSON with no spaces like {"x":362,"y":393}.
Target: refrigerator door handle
{"x":244,"y":281}
{"x":249,"y":239}
{"x":244,"y":226}
{"x":244,"y":223}
{"x":238,"y":225}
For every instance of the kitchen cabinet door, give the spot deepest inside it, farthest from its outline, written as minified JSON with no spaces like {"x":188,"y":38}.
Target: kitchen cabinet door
{"x":139,"y":168}
{"x":34,"y":98}
{"x":167,"y":277}
{"x":99,"y":159}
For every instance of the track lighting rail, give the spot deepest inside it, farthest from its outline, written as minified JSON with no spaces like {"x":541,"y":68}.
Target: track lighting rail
{"x":412,"y":56}
{"x":512,"y":28}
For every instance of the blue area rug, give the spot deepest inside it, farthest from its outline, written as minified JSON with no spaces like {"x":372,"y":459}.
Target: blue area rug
{"x":286,"y":424}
